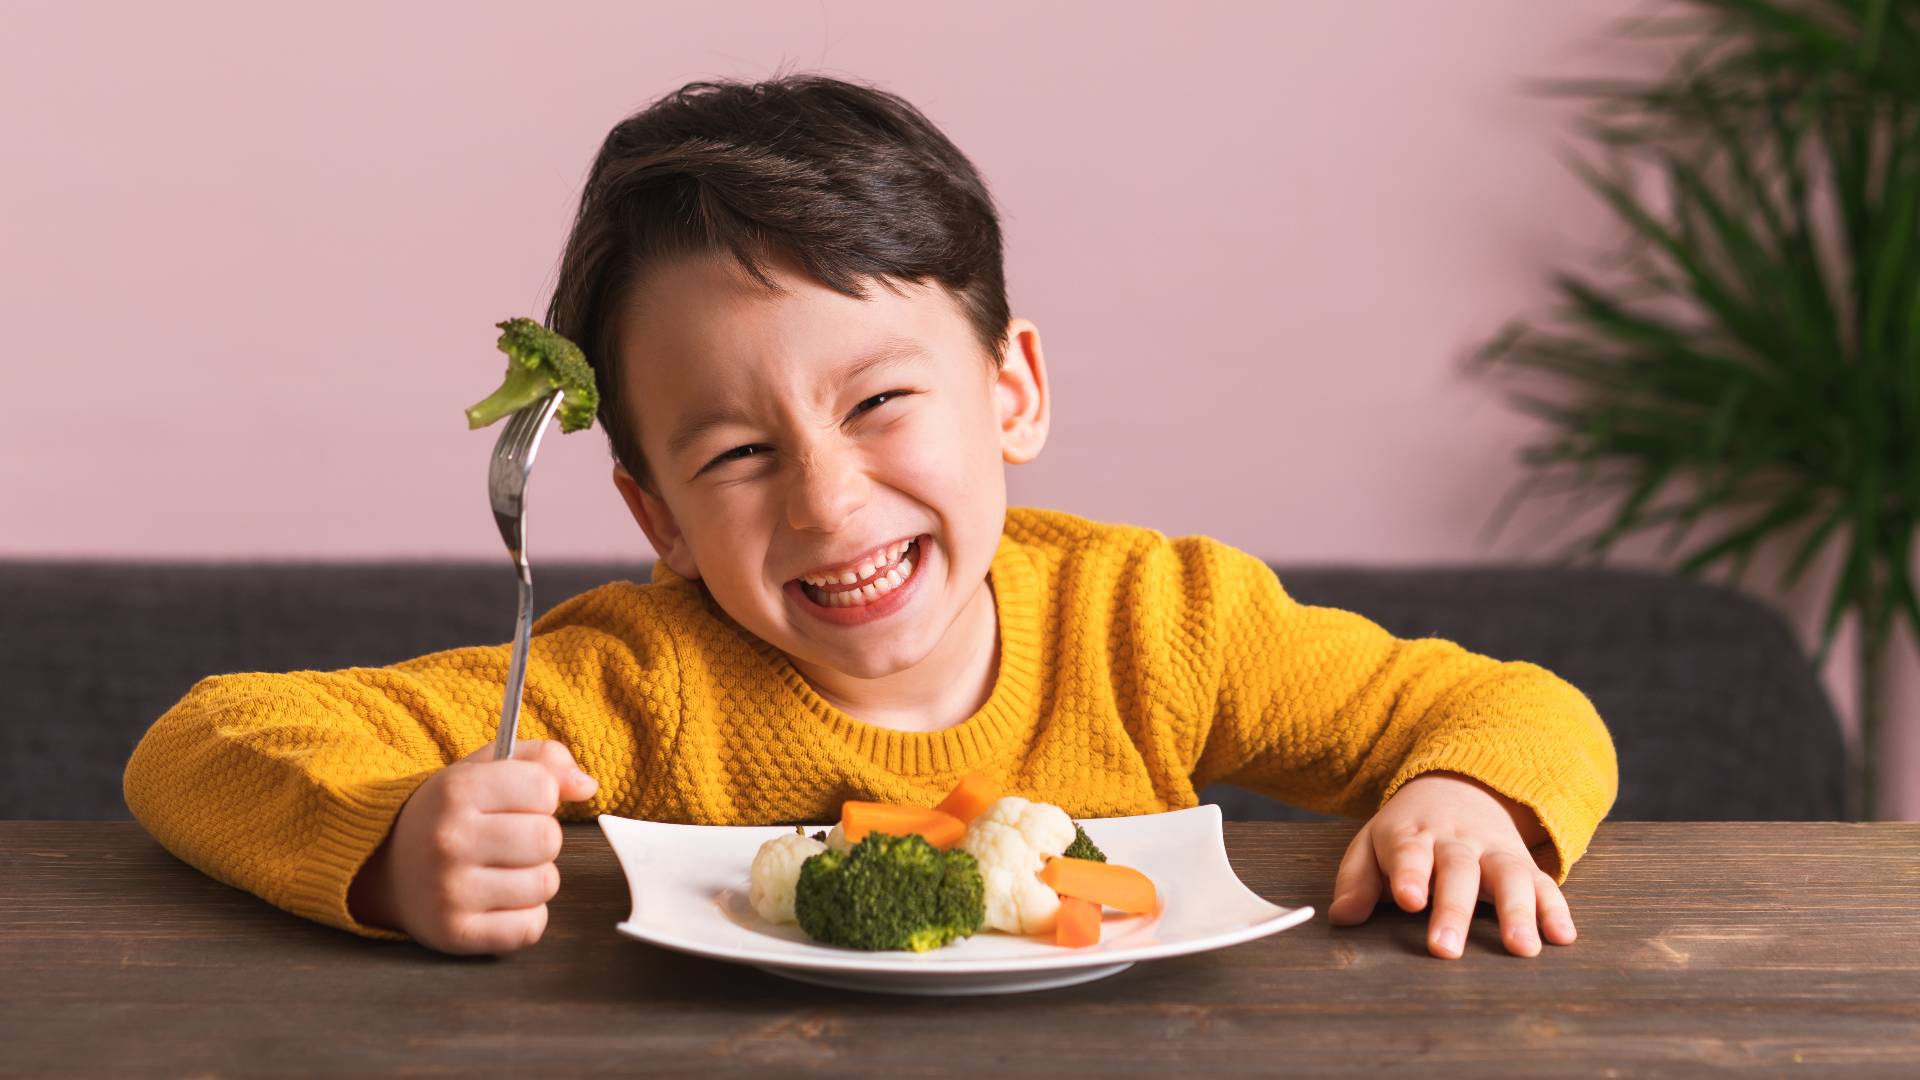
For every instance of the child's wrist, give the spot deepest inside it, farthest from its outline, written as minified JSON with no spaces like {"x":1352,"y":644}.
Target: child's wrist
{"x":1533,"y":832}
{"x":369,"y":895}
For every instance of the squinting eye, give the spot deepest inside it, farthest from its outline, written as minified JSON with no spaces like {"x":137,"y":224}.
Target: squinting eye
{"x":738,"y":453}
{"x":878,"y":400}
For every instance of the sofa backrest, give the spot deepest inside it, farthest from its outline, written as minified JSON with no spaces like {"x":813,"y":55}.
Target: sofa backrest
{"x":1713,"y":707}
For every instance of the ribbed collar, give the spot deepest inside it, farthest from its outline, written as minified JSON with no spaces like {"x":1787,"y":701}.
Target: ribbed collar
{"x":1009,"y":713}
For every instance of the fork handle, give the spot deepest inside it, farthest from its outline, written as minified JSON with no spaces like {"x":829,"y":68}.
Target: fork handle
{"x":517,"y":671}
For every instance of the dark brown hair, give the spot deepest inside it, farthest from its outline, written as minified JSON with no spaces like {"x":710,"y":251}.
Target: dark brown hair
{"x":850,"y":182}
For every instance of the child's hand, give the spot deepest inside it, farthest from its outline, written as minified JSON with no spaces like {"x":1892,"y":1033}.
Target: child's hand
{"x":1473,"y":844}
{"x":468,"y":867}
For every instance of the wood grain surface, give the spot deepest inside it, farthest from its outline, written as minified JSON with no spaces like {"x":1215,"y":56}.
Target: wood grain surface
{"x":1785,"y":948}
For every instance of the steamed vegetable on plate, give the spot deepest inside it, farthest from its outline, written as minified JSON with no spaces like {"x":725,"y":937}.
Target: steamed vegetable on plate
{"x":906,"y":877}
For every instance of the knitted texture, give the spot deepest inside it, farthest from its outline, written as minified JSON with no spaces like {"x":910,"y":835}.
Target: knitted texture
{"x":1134,"y":670}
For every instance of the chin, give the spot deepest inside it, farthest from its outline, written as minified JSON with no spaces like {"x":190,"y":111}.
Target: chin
{"x":873,"y":667}
{"x":884,"y":658}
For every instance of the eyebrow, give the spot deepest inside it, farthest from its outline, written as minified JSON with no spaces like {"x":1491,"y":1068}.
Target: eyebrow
{"x":892,"y":351}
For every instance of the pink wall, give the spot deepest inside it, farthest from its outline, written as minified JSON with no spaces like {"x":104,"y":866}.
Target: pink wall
{"x":252,"y":258}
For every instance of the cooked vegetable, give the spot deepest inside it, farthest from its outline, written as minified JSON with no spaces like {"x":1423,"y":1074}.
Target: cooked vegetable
{"x":970,"y":797}
{"x":1078,"y":923}
{"x":1010,"y":840}
{"x":1115,"y":886}
{"x":890,"y":876}
{"x":858,"y":818}
{"x":539,"y":362}
{"x":889,"y":892}
{"x":776,"y":870}
{"x":1083,"y":846}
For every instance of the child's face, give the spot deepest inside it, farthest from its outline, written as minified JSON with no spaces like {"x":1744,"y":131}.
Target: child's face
{"x":772,"y":460}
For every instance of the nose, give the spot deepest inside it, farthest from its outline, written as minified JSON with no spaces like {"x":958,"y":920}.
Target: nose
{"x":827,"y":489}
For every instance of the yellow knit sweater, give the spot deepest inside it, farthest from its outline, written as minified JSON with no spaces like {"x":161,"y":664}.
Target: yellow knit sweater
{"x":1134,"y":670}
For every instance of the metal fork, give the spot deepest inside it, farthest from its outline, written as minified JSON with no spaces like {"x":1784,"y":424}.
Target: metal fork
{"x":507,"y":476}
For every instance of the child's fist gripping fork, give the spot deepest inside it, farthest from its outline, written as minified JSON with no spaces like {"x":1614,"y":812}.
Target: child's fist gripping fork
{"x":469,"y":864}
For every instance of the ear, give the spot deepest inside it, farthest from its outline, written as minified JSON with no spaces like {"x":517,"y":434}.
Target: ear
{"x":657,"y":522}
{"x":1020,"y":394}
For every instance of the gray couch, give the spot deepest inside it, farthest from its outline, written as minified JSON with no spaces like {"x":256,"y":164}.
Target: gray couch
{"x":1715,"y":711}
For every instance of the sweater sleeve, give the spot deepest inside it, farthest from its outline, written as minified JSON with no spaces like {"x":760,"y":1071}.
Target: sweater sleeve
{"x":1324,"y":709}
{"x":284,"y":784}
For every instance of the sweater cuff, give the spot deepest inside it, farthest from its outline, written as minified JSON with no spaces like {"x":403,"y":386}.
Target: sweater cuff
{"x":353,"y":823}
{"x":1569,"y":805}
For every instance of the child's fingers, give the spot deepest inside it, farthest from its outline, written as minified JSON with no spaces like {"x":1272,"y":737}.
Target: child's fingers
{"x":1510,"y":881}
{"x":504,"y":787}
{"x":494,"y":931}
{"x":578,"y":787}
{"x":1356,"y":885}
{"x":517,"y":839}
{"x":492,"y":888}
{"x":1408,"y":863}
{"x":1456,"y":889}
{"x":1556,"y":921}
{"x":575,"y":784}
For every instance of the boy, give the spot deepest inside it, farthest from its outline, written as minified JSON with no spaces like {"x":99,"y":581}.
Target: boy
{"x":811,"y":382}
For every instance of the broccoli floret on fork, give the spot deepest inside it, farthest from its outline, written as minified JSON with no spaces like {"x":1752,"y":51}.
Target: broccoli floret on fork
{"x":539,"y":362}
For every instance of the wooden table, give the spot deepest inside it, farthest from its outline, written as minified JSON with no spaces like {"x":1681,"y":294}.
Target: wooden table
{"x":1787,"y":947}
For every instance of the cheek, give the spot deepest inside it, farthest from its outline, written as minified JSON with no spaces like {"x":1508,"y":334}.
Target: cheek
{"x":947,"y":452}
{"x":954,"y":470}
{"x":729,"y":535}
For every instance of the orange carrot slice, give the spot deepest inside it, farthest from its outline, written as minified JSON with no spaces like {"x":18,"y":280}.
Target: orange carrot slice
{"x":1106,"y":883}
{"x":941,"y":829}
{"x":970,"y":797}
{"x":1078,"y":923}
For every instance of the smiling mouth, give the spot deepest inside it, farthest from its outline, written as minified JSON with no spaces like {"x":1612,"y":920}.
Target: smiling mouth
{"x":883,"y":580}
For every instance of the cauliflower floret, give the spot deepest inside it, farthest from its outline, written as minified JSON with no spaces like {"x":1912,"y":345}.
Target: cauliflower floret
{"x":837,"y":840}
{"x":775,"y":872}
{"x":1011,"y":840}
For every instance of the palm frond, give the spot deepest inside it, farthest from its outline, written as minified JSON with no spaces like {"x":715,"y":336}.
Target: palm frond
{"x":1751,"y":360}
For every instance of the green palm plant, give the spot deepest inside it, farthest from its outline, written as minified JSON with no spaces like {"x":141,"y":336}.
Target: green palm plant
{"x":1753,"y":359}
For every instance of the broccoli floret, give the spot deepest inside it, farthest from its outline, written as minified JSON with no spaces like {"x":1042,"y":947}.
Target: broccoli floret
{"x":890,"y":892}
{"x":539,"y":362}
{"x":1083,"y":846}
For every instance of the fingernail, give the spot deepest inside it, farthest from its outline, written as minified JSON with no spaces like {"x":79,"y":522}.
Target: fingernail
{"x":581,"y":775}
{"x":1525,"y":936}
{"x":1448,"y":939}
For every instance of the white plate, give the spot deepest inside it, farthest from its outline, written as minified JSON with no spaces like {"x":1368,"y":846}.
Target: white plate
{"x":689,"y":888}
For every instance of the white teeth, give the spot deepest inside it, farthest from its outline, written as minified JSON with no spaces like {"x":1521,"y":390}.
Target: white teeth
{"x":865,"y":570}
{"x":867,"y":594}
